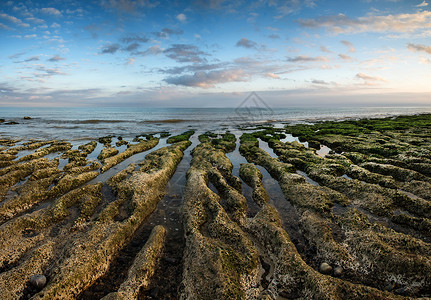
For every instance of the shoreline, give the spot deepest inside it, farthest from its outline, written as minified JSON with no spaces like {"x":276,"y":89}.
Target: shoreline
{"x":342,"y":208}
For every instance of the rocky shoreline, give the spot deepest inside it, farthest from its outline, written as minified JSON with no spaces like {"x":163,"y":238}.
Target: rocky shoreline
{"x":351,"y":220}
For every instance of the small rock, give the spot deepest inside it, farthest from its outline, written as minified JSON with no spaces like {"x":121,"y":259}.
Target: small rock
{"x":27,"y":118}
{"x":325,"y":268}
{"x":38,"y":281}
{"x":338,"y":271}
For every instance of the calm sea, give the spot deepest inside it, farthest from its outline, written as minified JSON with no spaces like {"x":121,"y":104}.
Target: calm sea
{"x":88,"y":123}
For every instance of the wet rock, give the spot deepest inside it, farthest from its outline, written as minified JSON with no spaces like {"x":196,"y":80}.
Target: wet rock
{"x":27,"y":118}
{"x":38,"y":281}
{"x":325,"y":268}
{"x":338,"y":271}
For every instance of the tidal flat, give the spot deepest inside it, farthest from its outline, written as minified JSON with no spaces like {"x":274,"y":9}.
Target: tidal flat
{"x":329,"y":210}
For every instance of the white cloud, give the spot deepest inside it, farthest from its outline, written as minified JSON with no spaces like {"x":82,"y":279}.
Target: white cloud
{"x":13,"y":20}
{"x":208,"y":79}
{"x":51,"y":11}
{"x":341,"y":24}
{"x":423,"y":4}
{"x":181,"y":17}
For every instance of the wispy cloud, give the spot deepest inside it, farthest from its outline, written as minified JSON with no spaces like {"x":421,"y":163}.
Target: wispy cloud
{"x":419,"y":48}
{"x":50,"y":11}
{"x":185,"y":53}
{"x":110,"y":48}
{"x":391,"y":23}
{"x":246,"y":43}
{"x":345,"y":57}
{"x":304,"y":58}
{"x":423,"y":4}
{"x":324,"y":49}
{"x":128,"y":6}
{"x":370,"y":80}
{"x":56,"y":58}
{"x":208,"y":79}
{"x":153,"y":50}
{"x":319,"y":82}
{"x":167,"y":32}
{"x":349,"y":45}
{"x":33,"y":58}
{"x":13,"y":20}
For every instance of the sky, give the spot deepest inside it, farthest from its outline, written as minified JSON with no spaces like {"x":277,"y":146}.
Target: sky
{"x":214,"y":53}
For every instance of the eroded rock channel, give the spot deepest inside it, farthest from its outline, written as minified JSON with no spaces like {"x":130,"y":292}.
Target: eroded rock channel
{"x":341,"y":211}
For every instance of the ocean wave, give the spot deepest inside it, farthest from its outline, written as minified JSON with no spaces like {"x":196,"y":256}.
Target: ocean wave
{"x":167,"y":121}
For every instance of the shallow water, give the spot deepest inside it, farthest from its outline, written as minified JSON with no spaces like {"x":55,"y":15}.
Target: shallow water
{"x":87,"y":123}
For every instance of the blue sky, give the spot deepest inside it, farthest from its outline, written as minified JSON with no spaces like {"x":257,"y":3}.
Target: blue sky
{"x":214,"y":53}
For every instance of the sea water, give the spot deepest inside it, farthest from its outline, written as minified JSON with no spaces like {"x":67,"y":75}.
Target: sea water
{"x":89,"y":123}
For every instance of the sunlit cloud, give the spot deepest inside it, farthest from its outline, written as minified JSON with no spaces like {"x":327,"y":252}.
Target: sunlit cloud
{"x":419,"y":48}
{"x":304,"y":58}
{"x":349,"y":45}
{"x":208,"y":79}
{"x":391,"y":23}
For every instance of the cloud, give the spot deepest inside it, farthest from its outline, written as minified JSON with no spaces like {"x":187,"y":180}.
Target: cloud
{"x":132,"y":47}
{"x":135,"y":38}
{"x":30,"y":36}
{"x":181,"y":17}
{"x":13,"y":20}
{"x":185,"y":53}
{"x":166,"y":32}
{"x":50,"y":11}
{"x":246,"y":43}
{"x":130,"y":61}
{"x":208,"y":79}
{"x":211,"y":4}
{"x":274,"y":36}
{"x":324,"y":49}
{"x":193,"y":68}
{"x":33,"y":58}
{"x":153,"y":50}
{"x":419,"y":48}
{"x":423,"y":4}
{"x":391,"y":23}
{"x":350,"y":45}
{"x":35,"y":20}
{"x":16,"y":55}
{"x":55,"y":25}
{"x":345,"y":57}
{"x":3,"y":26}
{"x":127,"y":6}
{"x":56,"y":58}
{"x":304,"y":58}
{"x":110,"y":48}
{"x":320,"y":82}
{"x":272,"y":75}
{"x":369,"y":80}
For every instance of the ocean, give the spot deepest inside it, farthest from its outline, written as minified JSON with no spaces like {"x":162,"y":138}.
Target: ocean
{"x":89,"y":123}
